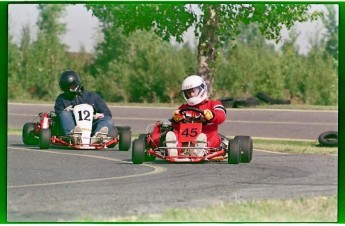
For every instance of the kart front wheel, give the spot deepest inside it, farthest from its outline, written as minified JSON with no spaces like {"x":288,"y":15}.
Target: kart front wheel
{"x":138,"y":151}
{"x":125,"y":137}
{"x":45,"y":137}
{"x":234,"y":155}
{"x":28,"y":136}
{"x":246,"y":148}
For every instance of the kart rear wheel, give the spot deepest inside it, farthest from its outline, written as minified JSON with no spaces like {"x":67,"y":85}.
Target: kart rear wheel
{"x":138,"y":151}
{"x":120,"y":128}
{"x":45,"y":137}
{"x":125,"y":137}
{"x":28,"y":136}
{"x":234,"y":155}
{"x":246,"y":148}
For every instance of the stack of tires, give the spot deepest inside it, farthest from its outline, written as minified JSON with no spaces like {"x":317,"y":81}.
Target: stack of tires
{"x":267,"y":99}
{"x":252,"y":101}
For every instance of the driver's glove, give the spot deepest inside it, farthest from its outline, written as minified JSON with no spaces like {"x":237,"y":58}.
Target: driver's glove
{"x":98,"y":116}
{"x":177,"y":116}
{"x":208,"y":115}
{"x":69,"y":108}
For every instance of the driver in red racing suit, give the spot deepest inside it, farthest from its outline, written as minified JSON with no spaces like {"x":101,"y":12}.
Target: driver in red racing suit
{"x":194,"y":91}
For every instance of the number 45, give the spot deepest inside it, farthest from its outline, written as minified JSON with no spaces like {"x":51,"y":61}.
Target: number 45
{"x":190,"y":132}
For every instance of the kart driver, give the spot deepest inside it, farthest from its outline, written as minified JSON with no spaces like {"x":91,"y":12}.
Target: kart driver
{"x":194,"y":90}
{"x":74,"y":94}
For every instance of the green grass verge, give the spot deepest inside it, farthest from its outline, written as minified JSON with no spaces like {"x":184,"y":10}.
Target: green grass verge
{"x":316,"y":209}
{"x":293,"y":147}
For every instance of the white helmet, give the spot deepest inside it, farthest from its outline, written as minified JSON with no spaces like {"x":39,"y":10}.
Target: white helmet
{"x":194,"y":90}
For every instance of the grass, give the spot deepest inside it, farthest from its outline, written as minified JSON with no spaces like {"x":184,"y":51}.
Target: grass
{"x":316,"y":209}
{"x":293,"y":147}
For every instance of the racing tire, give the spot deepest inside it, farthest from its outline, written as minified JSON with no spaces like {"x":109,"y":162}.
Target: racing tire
{"x":138,"y":151}
{"x":28,"y":136}
{"x":148,"y":158}
{"x":246,"y":148}
{"x":142,"y":136}
{"x":125,"y":137}
{"x":120,"y":128}
{"x":234,"y":154}
{"x":45,"y":137}
{"x":328,"y":139}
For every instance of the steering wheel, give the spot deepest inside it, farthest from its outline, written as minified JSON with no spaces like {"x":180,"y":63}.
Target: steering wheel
{"x":192,"y":118}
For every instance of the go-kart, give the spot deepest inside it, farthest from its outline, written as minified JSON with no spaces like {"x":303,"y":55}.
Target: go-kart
{"x":237,"y":150}
{"x":47,"y":130}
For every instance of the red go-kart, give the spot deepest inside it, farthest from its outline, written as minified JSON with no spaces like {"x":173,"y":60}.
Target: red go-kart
{"x":237,"y":150}
{"x":46,"y":131}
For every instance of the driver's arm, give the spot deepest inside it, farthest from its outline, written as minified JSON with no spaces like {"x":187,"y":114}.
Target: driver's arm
{"x":219,"y":113}
{"x":59,"y":105}
{"x":101,"y":106}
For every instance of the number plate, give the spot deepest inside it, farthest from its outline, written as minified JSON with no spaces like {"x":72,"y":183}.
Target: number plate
{"x":189,"y":131}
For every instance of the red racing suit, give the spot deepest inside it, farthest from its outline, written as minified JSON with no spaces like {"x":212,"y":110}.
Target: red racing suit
{"x":210,"y":128}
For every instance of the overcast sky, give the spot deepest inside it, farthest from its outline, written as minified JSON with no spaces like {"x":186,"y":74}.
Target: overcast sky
{"x":82,"y":26}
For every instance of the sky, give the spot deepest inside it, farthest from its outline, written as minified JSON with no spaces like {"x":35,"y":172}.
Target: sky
{"x":82,"y":27}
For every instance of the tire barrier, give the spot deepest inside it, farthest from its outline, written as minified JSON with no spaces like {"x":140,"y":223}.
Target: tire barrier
{"x":230,"y":102}
{"x":328,"y":139}
{"x":247,"y":102}
{"x":265,"y":98}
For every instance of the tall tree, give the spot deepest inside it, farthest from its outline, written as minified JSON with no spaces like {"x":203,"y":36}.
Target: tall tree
{"x":49,"y":52}
{"x":14,"y":65}
{"x":332,"y":34}
{"x":213,"y":23}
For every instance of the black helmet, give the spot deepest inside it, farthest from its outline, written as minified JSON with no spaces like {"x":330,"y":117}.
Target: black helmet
{"x":70,"y":82}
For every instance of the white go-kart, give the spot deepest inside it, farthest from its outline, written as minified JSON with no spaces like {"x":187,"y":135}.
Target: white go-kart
{"x":46,"y":131}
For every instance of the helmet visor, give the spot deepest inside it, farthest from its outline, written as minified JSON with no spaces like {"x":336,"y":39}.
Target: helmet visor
{"x":73,"y":88}
{"x":193,"y":92}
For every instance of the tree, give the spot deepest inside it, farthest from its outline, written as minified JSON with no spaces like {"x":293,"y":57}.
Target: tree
{"x":139,"y":68}
{"x":248,"y":65}
{"x":14,"y":65}
{"x":213,"y":23}
{"x":48,"y":51}
{"x":332,"y":35}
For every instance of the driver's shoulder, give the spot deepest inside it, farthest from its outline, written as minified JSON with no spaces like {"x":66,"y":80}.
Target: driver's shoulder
{"x":90,"y":94}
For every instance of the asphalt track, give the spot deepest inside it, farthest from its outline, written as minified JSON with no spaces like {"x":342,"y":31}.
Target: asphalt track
{"x":62,"y":185}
